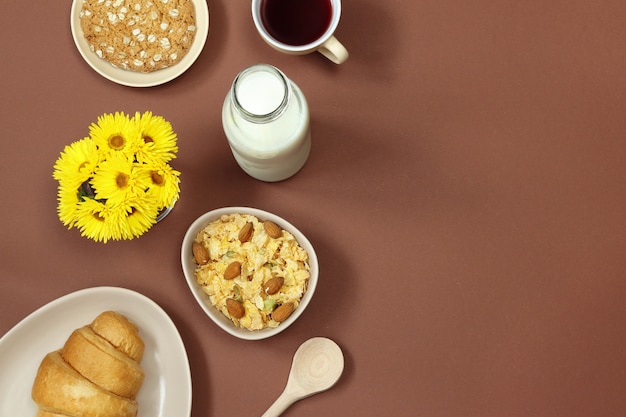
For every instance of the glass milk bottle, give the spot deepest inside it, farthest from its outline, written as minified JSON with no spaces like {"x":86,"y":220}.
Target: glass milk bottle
{"x":266,"y":121}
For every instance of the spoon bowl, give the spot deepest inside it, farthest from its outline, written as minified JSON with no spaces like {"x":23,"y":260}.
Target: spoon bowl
{"x":316,"y":367}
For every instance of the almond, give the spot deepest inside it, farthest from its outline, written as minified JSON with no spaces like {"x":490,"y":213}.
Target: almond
{"x":200,"y":253}
{"x":272,"y":285}
{"x":272,"y":229}
{"x":282,"y":312}
{"x":233,"y":270}
{"x":235,"y":308}
{"x":245,"y":234}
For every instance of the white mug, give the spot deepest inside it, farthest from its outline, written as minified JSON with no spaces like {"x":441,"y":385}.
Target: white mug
{"x":285,"y":29}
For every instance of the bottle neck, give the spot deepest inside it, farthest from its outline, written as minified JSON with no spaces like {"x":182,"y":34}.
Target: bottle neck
{"x":260,"y":93}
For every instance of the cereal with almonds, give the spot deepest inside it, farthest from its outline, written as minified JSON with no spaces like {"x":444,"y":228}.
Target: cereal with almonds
{"x":139,"y":35}
{"x":256,"y":281}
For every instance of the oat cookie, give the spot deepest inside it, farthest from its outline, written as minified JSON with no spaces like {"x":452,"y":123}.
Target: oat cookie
{"x":139,"y":35}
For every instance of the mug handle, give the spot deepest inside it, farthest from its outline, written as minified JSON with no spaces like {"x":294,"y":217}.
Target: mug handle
{"x":333,"y":50}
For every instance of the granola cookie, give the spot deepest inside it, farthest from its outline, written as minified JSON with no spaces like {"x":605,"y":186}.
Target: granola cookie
{"x":139,"y":35}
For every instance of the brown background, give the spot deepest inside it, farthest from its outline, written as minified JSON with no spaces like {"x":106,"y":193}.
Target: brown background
{"x":466,"y":195}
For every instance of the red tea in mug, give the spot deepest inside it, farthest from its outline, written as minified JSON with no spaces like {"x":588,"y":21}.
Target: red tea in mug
{"x":296,"y":22}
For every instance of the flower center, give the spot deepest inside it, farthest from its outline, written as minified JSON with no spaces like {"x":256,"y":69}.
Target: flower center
{"x":98,"y":217}
{"x":148,"y":139}
{"x":121,"y":180}
{"x":157,"y":178}
{"x":117,"y":142}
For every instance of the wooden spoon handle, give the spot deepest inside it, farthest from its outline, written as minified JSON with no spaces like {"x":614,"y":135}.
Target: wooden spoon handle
{"x":281,"y":404}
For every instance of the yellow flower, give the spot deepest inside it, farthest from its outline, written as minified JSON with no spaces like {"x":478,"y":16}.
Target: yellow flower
{"x":115,"y":133}
{"x":76,"y":163}
{"x":139,"y":216}
{"x":158,"y":140}
{"x":163,"y":185}
{"x":95,"y":221}
{"x":114,"y":183}
{"x":116,"y":180}
{"x":68,"y":205}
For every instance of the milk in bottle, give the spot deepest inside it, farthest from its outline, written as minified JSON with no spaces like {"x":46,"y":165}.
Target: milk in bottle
{"x":266,"y":121}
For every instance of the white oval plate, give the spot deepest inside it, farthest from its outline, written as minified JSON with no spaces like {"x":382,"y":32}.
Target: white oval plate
{"x":166,"y":390}
{"x":140,"y":79}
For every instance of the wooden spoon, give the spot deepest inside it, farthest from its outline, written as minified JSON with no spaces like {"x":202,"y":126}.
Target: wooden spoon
{"x":317,"y":366}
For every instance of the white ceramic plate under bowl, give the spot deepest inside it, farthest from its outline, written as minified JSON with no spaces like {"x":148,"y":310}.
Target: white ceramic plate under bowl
{"x":189,"y":267}
{"x":166,"y":389}
{"x":140,"y":79}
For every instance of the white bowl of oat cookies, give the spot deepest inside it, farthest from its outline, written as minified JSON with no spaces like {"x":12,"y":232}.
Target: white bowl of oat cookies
{"x":140,"y":43}
{"x":252,"y":272}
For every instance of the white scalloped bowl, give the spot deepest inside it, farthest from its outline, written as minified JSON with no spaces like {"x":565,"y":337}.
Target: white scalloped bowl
{"x":134,"y":78}
{"x":189,"y":267}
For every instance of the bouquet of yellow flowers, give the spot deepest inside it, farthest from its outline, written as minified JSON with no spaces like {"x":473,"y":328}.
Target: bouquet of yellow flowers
{"x":114,"y":183}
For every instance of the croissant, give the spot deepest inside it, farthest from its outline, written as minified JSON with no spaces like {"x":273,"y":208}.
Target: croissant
{"x":95,"y":374}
